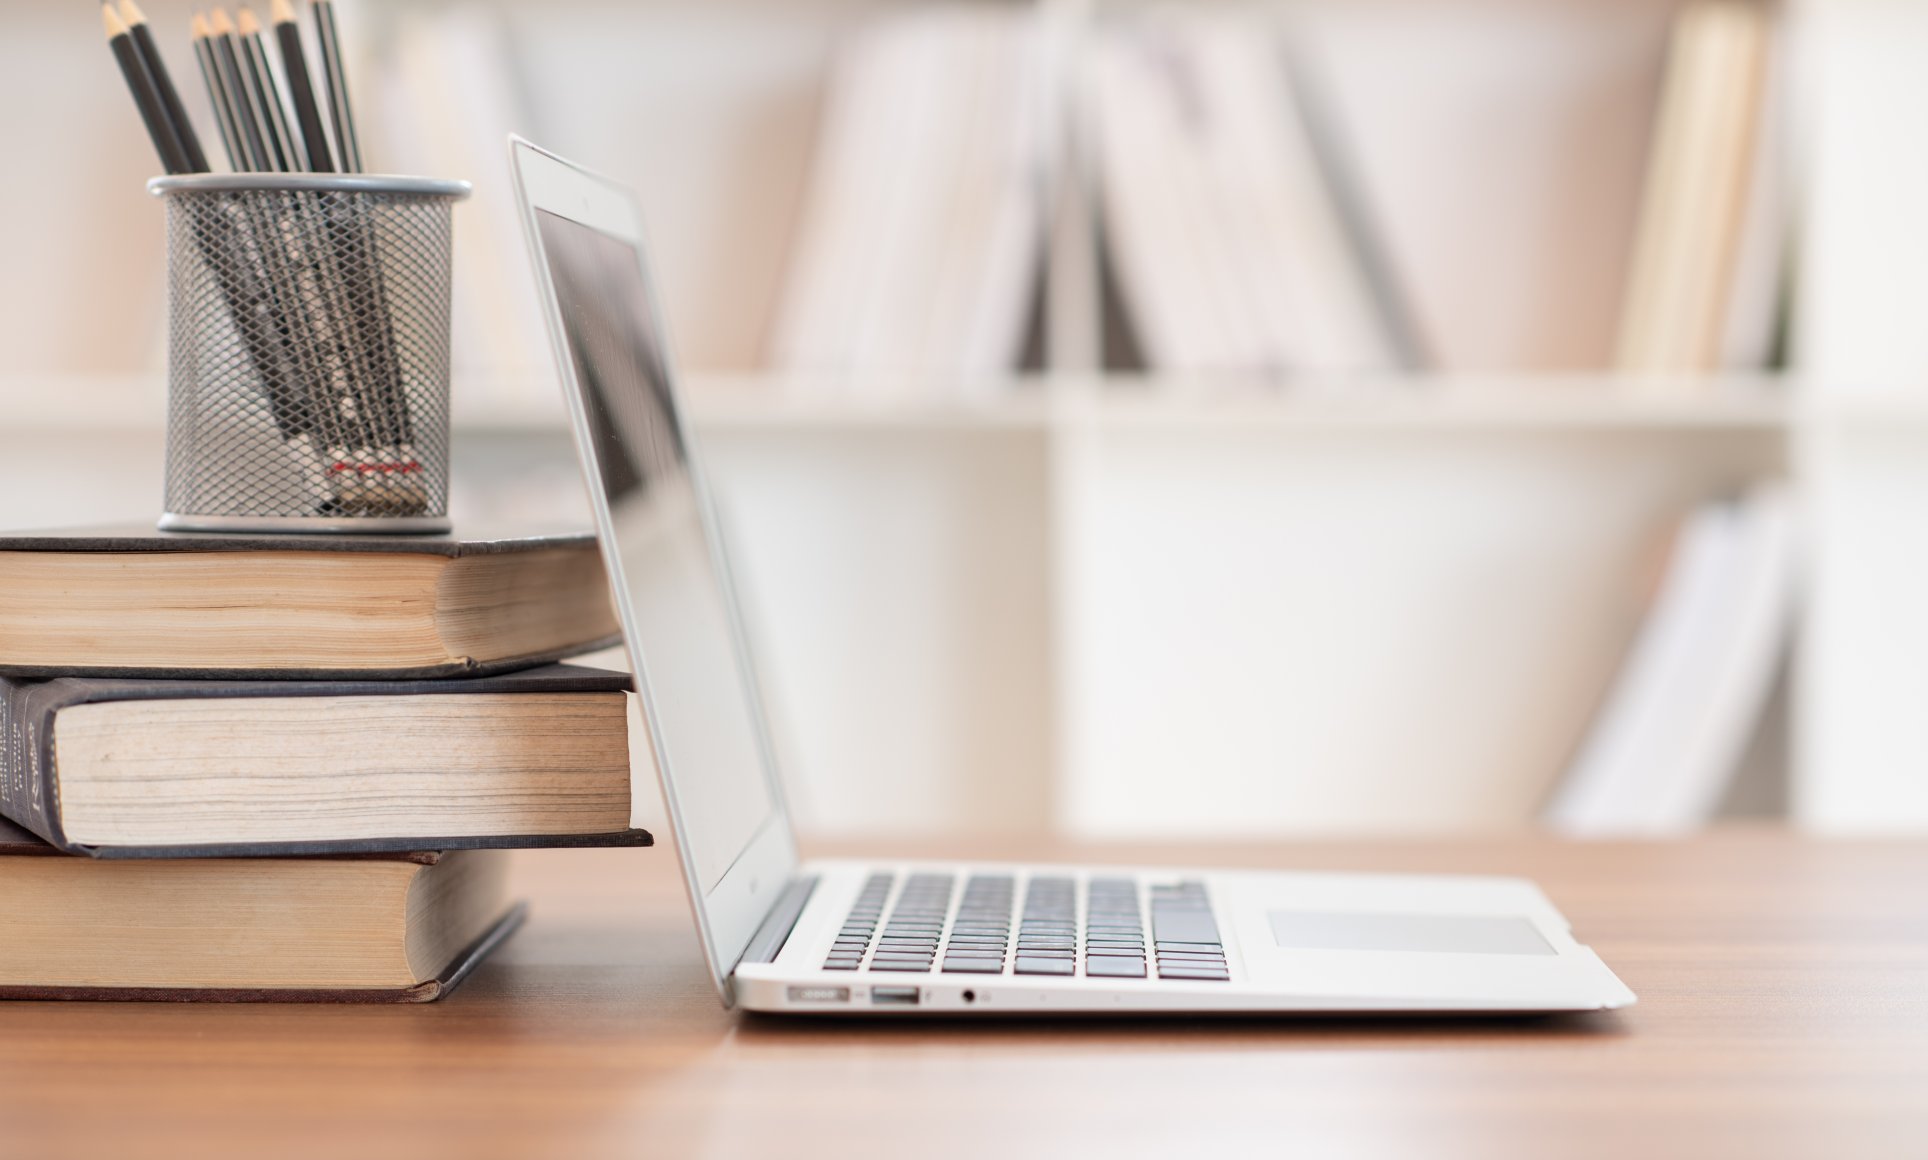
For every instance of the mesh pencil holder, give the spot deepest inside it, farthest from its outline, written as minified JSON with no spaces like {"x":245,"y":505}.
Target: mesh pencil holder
{"x":308,"y":353}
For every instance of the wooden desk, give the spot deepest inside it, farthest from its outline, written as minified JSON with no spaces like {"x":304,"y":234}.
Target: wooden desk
{"x":1784,"y":1011}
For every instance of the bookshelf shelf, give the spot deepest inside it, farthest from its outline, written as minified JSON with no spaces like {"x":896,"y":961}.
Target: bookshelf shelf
{"x":1894,"y":412}
{"x":1523,"y":403}
{"x":767,"y":403}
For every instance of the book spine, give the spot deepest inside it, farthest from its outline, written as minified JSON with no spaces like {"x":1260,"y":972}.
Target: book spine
{"x":26,"y":789}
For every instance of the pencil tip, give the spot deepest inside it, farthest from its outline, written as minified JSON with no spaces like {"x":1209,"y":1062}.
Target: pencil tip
{"x":281,"y":12}
{"x":131,"y":13}
{"x":112,"y":21}
{"x":200,"y":24}
{"x":219,"y":22}
{"x":245,"y":22}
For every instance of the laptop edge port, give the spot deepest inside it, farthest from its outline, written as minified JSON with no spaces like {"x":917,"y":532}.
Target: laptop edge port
{"x":809,"y":994}
{"x":893,"y":996}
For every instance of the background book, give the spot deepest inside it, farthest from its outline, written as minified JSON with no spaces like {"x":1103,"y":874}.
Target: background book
{"x":919,"y":254}
{"x":1704,"y":288}
{"x":1668,"y":739}
{"x":1231,"y":252}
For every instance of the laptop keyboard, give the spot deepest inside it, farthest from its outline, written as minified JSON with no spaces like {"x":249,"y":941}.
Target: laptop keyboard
{"x":922,"y":934}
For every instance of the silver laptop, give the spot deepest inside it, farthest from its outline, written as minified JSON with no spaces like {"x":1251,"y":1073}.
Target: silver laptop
{"x":911,"y":936}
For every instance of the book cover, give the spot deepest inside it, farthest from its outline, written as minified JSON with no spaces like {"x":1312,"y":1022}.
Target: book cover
{"x":146,"y":538}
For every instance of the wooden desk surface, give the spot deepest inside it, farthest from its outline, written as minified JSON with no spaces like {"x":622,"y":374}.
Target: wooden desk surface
{"x":1784,"y":1011}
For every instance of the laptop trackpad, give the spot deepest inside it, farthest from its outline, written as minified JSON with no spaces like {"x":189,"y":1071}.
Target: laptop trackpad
{"x":1450,"y":933}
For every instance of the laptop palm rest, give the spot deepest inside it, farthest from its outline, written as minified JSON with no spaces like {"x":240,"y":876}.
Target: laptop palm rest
{"x":1454,"y":934}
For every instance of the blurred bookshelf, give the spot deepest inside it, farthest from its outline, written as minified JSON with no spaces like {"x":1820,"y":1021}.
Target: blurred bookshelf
{"x":1052,"y":585}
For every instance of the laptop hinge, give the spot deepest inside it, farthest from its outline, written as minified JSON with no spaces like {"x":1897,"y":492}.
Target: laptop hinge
{"x":767,"y":943}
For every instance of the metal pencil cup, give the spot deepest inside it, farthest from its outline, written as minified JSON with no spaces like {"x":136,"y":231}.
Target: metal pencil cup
{"x":308,"y":353}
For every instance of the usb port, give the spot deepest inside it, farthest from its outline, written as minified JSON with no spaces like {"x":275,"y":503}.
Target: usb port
{"x":893,"y":996}
{"x":820,"y":994}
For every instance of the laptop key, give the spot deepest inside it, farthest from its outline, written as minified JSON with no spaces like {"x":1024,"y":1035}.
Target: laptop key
{"x":1105,"y":966}
{"x":1030,"y":965}
{"x":973,"y":966}
{"x":1173,"y":925}
{"x":1198,"y":972}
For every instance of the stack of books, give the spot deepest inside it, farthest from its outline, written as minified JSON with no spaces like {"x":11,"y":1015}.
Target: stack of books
{"x":285,"y":768}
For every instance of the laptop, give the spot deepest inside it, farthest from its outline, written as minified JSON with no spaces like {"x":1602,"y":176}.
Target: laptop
{"x":910,"y":936}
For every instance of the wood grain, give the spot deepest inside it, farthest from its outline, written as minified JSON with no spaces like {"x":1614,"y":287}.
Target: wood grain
{"x":1784,"y":1012}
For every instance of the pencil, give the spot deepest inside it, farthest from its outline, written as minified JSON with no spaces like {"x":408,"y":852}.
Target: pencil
{"x":294,"y":65}
{"x":150,"y":52}
{"x":266,"y":94}
{"x":139,"y":83}
{"x":247,"y":119}
{"x":347,"y":144}
{"x":218,"y":95}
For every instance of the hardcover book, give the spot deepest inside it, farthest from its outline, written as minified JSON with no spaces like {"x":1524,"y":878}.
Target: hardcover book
{"x":130,"y":768}
{"x":131,"y":601}
{"x":402,"y":928}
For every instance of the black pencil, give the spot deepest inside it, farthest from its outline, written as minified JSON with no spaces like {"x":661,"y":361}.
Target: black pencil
{"x":347,"y":143}
{"x":177,"y":117}
{"x":267,"y":96}
{"x":260,"y":158}
{"x":294,"y":65}
{"x":146,"y":98}
{"x":218,"y":95}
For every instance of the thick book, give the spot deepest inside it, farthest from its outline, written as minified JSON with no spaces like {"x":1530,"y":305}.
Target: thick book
{"x":130,"y":768}
{"x":132,"y":601}
{"x":402,"y":928}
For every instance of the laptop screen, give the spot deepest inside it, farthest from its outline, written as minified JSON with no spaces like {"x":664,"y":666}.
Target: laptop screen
{"x":703,"y":706}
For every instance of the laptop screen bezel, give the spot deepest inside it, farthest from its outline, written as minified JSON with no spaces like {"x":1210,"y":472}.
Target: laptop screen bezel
{"x":729,"y":913}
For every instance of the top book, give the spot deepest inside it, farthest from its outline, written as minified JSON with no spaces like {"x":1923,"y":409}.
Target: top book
{"x":131,"y":601}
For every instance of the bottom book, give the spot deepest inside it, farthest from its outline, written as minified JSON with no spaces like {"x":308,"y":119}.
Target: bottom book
{"x":395,"y":928}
